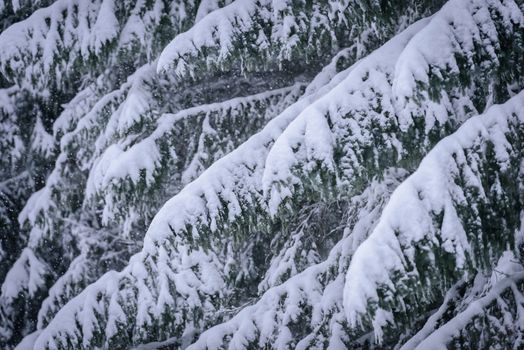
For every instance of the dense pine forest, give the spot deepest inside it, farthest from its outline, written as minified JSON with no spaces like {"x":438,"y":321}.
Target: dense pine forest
{"x":261,"y":174}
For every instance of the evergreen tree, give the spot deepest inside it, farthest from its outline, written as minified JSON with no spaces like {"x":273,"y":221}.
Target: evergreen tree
{"x":261,"y":174}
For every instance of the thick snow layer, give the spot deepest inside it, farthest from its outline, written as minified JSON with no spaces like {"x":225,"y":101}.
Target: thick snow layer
{"x":133,"y":162}
{"x":237,"y":174}
{"x":196,"y":202}
{"x":28,"y":272}
{"x":388,"y":89}
{"x":56,"y":41}
{"x":281,"y":29}
{"x":407,"y":219}
{"x":172,"y":275}
{"x":217,"y":26}
{"x":81,"y":270}
{"x":311,"y":133}
{"x":46,"y":33}
{"x":28,"y":342}
{"x":144,"y":156}
{"x":441,"y":337}
{"x":483,"y":293}
{"x":406,"y":213}
{"x":171,"y":272}
{"x":69,"y":33}
{"x":318,"y":287}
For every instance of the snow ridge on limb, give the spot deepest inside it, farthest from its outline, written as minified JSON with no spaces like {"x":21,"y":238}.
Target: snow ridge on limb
{"x":245,"y":336}
{"x":44,"y":42}
{"x":179,"y":266}
{"x":49,"y":56}
{"x":202,"y":125}
{"x":180,"y":250}
{"x":71,"y":38}
{"x":246,"y":113}
{"x":296,"y":312}
{"x":394,"y":110}
{"x":306,"y":310}
{"x":11,"y":11}
{"x":172,"y":155}
{"x":438,"y":225}
{"x":481,"y":312}
{"x":265,"y":35}
{"x":507,"y":297}
{"x":56,"y":217}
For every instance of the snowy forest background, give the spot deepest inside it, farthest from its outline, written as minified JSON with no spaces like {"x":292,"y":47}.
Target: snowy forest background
{"x":274,"y":174}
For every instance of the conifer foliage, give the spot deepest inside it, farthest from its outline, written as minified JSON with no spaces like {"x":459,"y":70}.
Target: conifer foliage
{"x":242,"y":174}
